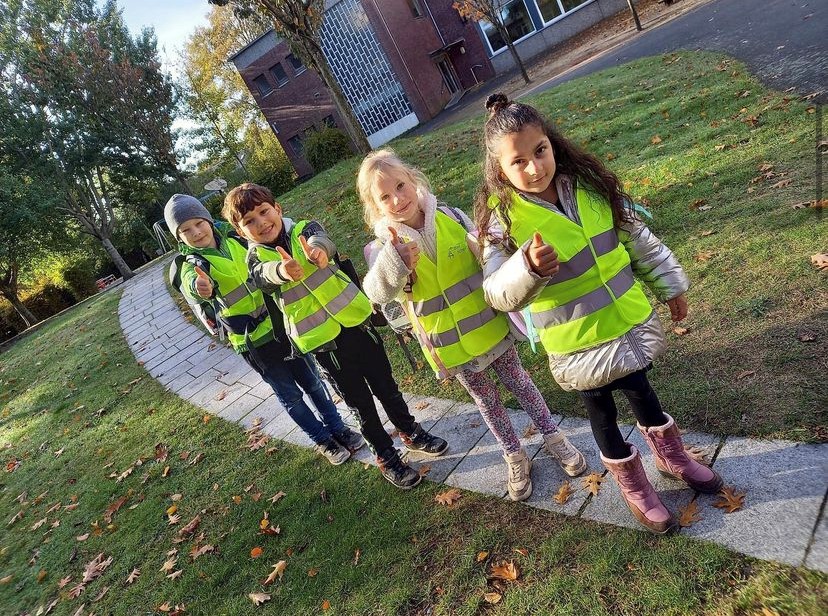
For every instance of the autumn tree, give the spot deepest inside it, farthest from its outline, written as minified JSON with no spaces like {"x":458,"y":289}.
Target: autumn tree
{"x":492,"y":11}
{"x":299,"y":22}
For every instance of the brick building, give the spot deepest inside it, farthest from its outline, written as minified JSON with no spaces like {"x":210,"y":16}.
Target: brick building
{"x":398,"y":62}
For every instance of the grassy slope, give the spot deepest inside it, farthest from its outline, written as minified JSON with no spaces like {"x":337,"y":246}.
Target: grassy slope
{"x":753,"y":289}
{"x":415,"y":557}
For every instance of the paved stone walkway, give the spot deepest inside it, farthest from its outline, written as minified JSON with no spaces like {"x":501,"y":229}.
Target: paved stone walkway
{"x":786,"y":482}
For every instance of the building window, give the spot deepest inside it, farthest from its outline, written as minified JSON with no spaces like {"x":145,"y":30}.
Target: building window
{"x":263,"y":85}
{"x":279,"y":74}
{"x":296,"y":63}
{"x":297,"y":144}
{"x":416,"y":9}
{"x":550,"y":9}
{"x":517,"y":21}
{"x":568,"y":5}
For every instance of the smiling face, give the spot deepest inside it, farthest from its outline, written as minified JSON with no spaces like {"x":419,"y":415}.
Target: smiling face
{"x":197,"y":233}
{"x":528,"y":163}
{"x":262,"y":224}
{"x":396,"y":195}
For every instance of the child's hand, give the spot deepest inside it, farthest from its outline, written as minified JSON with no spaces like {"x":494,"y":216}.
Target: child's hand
{"x":678,"y":307}
{"x":317,"y":256}
{"x":291,"y":268}
{"x":203,"y":284}
{"x":409,"y":251}
{"x":542,"y":257}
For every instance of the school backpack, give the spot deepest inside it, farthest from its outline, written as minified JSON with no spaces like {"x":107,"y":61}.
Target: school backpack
{"x":204,"y":310}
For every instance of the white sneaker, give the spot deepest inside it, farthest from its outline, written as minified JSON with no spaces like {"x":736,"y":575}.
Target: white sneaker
{"x":331,"y":450}
{"x":519,"y":483}
{"x":571,"y":460}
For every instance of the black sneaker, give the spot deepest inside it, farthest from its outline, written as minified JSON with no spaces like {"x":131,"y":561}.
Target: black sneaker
{"x":352,"y":441}
{"x":331,"y":450}
{"x":398,"y":472}
{"x":423,"y":442}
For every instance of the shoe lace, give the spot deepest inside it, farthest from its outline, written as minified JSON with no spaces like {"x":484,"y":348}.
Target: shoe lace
{"x":515,"y":471}
{"x":560,"y":449}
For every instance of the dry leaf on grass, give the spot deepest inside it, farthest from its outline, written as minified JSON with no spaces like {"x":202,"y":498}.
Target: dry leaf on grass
{"x":175,"y":574}
{"x":449,"y":497}
{"x":101,"y":594}
{"x":505,"y":571}
{"x":781,"y":183}
{"x":492,"y":597}
{"x":730,"y":500}
{"x":174,"y":519}
{"x":133,"y":576}
{"x":563,"y":493}
{"x":256,"y":552}
{"x":481,"y":556}
{"x":744,"y":374}
{"x":689,"y":514}
{"x":680,"y":331}
{"x":64,"y":581}
{"x":190,"y":527}
{"x":169,"y":564}
{"x":113,"y":508}
{"x":326,"y":605}
{"x":6,"y":580}
{"x":201,"y":551}
{"x":312,"y":572}
{"x":806,"y":336}
{"x":655,"y":140}
{"x":259,"y":597}
{"x":592,"y":483}
{"x":76,"y":590}
{"x":357,"y":554}
{"x":278,"y":572}
{"x":277,"y":497}
{"x":820,"y":261}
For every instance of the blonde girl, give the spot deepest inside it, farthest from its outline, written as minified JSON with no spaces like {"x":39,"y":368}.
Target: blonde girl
{"x":424,"y":257}
{"x":559,"y":236}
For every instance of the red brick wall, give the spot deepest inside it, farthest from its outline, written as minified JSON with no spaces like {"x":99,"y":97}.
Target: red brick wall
{"x":303,"y":102}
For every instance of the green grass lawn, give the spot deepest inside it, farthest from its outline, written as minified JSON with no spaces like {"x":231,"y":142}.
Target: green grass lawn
{"x":78,"y":411}
{"x":742,"y":368}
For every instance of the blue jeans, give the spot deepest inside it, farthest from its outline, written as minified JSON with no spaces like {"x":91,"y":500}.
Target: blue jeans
{"x":286,"y":377}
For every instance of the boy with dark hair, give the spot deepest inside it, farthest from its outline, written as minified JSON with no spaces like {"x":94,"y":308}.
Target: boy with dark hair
{"x":215,"y":268}
{"x":326,"y":313}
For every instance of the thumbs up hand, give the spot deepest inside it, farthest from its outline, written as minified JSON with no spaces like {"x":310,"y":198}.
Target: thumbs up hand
{"x":291,"y":268}
{"x":542,"y":257}
{"x":409,"y":251}
{"x":203,"y":284}
{"x":317,"y":256}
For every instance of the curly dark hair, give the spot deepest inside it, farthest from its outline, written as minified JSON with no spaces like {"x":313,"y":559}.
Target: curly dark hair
{"x":507,"y":117}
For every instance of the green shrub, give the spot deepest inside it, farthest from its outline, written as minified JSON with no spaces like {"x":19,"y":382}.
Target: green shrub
{"x":326,"y":147}
{"x":80,"y":279}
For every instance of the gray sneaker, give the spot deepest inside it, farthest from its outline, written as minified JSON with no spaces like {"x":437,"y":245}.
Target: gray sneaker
{"x":335,"y":453}
{"x":349,"y":439}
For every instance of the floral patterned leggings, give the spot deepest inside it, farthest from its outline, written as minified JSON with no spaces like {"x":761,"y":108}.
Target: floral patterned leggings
{"x":514,"y":377}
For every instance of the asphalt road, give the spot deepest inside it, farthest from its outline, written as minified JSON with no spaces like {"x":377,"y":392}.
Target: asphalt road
{"x":783,"y":42}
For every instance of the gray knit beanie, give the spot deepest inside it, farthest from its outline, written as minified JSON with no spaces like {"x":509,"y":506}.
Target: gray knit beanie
{"x":180,"y":209}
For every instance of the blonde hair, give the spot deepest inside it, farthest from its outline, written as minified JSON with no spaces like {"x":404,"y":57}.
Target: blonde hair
{"x":382,"y":163}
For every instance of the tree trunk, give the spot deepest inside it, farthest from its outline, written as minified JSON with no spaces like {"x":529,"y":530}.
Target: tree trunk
{"x":117,"y":259}
{"x":505,"y":34}
{"x":352,"y":125}
{"x":24,"y":312}
{"x":635,"y":15}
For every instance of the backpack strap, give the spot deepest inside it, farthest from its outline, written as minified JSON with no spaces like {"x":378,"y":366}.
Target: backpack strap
{"x":451,"y":212}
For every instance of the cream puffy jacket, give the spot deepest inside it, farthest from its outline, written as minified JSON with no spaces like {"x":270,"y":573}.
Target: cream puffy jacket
{"x":510,"y":284}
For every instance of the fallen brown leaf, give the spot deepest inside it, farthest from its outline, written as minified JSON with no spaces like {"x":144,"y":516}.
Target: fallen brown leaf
{"x":113,"y":508}
{"x":278,"y":572}
{"x":449,"y":497}
{"x":680,"y":331}
{"x":481,"y":556}
{"x":7,"y":579}
{"x":592,"y":483}
{"x":277,"y":497}
{"x":133,"y":575}
{"x":326,"y":605}
{"x":190,"y":527}
{"x":312,"y":572}
{"x":744,"y":374}
{"x":101,"y":594}
{"x":781,"y":183}
{"x":76,"y":590}
{"x":175,"y":574}
{"x":806,"y":336}
{"x":820,"y":261}
{"x":655,"y":140}
{"x":689,"y":514}
{"x":563,"y":493}
{"x":357,"y":554}
{"x":492,"y":597}
{"x":259,"y":597}
{"x":698,"y":454}
{"x":730,"y":500}
{"x":64,"y":581}
{"x":169,"y":564}
{"x":505,"y":571}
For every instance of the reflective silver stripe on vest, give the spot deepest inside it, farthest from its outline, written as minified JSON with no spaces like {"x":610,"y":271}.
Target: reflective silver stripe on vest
{"x":314,"y":281}
{"x":341,"y":301}
{"x":586,"y":304}
{"x":453,"y":294}
{"x":464,"y":326}
{"x":583,"y":260}
{"x":310,"y":322}
{"x":235,"y":296}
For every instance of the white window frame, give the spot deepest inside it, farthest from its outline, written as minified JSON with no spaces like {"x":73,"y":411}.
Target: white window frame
{"x":534,"y":31}
{"x":563,"y":13}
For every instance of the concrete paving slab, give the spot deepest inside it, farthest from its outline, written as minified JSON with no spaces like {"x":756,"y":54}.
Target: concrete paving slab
{"x":231,"y":393}
{"x":483,"y":469}
{"x":268,"y":410}
{"x":240,"y":407}
{"x":261,"y":389}
{"x":428,"y":408}
{"x":168,"y":360}
{"x":462,"y":427}
{"x":818,"y":555}
{"x":233,"y":368}
{"x":251,"y":379}
{"x":190,"y":337}
{"x":785,"y":483}
{"x":206,"y":357}
{"x":175,"y":373}
{"x":206,"y":379}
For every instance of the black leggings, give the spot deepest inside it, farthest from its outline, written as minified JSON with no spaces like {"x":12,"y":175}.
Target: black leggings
{"x":603,"y":414}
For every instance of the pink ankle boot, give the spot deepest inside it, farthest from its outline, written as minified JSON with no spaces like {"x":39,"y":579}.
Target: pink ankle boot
{"x":672,"y":460}
{"x":638,"y":493}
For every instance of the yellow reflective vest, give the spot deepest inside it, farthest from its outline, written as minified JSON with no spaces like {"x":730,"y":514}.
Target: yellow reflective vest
{"x":594,"y":297}
{"x":318,"y":306}
{"x":240,"y":306}
{"x":448,"y":302}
